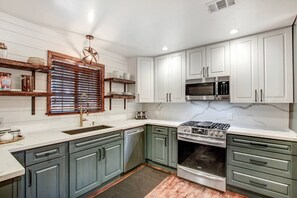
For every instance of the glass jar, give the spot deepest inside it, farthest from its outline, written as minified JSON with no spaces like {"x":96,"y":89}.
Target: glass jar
{"x":3,"y":50}
{"x":6,"y":81}
{"x":27,"y":83}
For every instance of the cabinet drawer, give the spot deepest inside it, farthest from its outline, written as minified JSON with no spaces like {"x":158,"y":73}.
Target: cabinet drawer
{"x":266,"y":162}
{"x":93,"y":141}
{"x":45,"y":153}
{"x":160,"y":130}
{"x":263,"y":144}
{"x":261,"y":183}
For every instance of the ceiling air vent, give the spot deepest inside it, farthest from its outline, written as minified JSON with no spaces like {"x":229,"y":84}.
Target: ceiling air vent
{"x":220,"y":4}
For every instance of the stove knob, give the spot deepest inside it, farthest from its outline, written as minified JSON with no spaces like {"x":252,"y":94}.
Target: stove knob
{"x":211,"y":133}
{"x":185,"y":130}
{"x":216,"y":133}
{"x":189,"y":130}
{"x":221,"y":134}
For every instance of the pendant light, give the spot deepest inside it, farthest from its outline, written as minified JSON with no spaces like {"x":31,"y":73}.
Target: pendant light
{"x":90,"y":55}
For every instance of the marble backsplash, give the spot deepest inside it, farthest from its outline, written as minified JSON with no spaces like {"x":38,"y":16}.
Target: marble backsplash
{"x":246,"y":115}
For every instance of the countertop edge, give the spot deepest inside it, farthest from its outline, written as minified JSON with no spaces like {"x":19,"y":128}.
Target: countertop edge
{"x":12,"y":175}
{"x":10,"y":168}
{"x":127,"y":124}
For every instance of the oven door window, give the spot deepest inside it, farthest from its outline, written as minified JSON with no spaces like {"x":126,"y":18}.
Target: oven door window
{"x":200,"y":89}
{"x":209,"y":159}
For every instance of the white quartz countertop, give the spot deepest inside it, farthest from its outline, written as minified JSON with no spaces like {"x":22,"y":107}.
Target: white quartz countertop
{"x":277,"y":134}
{"x":9,"y":166}
{"x":12,"y":168}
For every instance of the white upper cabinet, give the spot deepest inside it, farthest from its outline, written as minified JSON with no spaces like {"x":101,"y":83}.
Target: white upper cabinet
{"x":170,"y":78}
{"x":177,"y":77}
{"x":262,"y":69}
{"x":276,"y":66}
{"x":244,"y":70}
{"x":217,"y":61}
{"x":210,"y":61}
{"x":196,"y":63}
{"x":145,"y":80}
{"x":162,"y":64}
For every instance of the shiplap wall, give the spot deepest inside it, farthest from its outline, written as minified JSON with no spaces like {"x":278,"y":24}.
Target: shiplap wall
{"x":25,"y":39}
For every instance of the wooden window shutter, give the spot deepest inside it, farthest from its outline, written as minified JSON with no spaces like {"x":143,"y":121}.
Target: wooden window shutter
{"x":68,"y":80}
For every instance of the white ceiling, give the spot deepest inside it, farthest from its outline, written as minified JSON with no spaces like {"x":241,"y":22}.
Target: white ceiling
{"x":143,"y":27}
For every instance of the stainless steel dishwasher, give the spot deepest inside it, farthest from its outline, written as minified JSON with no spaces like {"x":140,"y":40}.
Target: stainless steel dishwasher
{"x":133,"y":148}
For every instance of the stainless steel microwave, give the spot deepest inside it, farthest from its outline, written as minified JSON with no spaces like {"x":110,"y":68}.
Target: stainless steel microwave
{"x":216,"y":90}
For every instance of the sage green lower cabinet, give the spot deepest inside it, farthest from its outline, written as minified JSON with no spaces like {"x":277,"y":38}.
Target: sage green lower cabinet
{"x":160,"y":149}
{"x":263,"y":166}
{"x":271,"y":163}
{"x":148,"y":137}
{"x":47,"y":179}
{"x":161,"y":143}
{"x":12,"y":188}
{"x":173,"y":147}
{"x":112,"y":160}
{"x":84,"y":171}
{"x":265,"y":184}
{"x":92,"y":167}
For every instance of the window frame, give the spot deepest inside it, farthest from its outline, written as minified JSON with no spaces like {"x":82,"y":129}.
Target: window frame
{"x":76,"y":61}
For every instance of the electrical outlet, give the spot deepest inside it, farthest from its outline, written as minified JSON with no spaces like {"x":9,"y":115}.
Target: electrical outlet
{"x":1,"y":122}
{"x":229,"y":116}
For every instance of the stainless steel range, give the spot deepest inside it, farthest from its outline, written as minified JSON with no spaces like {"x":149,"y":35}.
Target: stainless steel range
{"x":202,"y":153}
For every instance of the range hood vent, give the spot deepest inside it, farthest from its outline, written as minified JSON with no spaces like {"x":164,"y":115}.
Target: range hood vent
{"x":219,"y":5}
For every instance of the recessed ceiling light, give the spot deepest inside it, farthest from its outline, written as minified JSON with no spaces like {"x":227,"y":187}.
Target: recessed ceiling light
{"x":234,"y":31}
{"x":164,"y":48}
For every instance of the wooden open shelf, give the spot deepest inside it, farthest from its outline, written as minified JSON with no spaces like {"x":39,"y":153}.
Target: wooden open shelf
{"x":24,"y":93}
{"x":13,"y":64}
{"x":115,"y":96}
{"x":19,"y":65}
{"x":119,"y":80}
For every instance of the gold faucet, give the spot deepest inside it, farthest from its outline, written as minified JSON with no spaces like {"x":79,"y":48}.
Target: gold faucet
{"x":82,"y":112}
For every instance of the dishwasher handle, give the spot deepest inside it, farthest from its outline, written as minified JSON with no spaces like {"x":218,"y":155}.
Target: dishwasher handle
{"x":131,"y":132}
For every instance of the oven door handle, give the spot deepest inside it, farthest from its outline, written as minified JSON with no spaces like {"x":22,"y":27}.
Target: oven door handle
{"x":201,"y":174}
{"x":211,"y":143}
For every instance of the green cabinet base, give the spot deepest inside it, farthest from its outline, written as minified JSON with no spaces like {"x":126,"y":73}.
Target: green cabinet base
{"x":13,"y":188}
{"x":47,"y":179}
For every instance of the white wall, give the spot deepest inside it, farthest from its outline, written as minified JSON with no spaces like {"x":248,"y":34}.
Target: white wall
{"x":25,"y":39}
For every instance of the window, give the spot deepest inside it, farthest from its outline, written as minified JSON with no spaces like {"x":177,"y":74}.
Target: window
{"x":73,"y":84}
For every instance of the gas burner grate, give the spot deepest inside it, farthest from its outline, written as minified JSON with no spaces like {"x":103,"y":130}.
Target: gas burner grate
{"x":206,"y":125}
{"x":220,"y":126}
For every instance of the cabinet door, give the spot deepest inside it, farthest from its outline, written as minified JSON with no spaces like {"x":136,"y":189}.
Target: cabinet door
{"x":160,"y":149}
{"x":112,"y":160}
{"x":84,"y":171}
{"x":217,"y":60}
{"x":275,"y":66}
{"x":172,"y":147}
{"x":13,"y":188}
{"x":161,"y":78}
{"x":195,"y":63}
{"x":148,"y":142}
{"x":145,"y":79}
{"x":244,"y":70}
{"x":177,"y":77}
{"x":47,"y":179}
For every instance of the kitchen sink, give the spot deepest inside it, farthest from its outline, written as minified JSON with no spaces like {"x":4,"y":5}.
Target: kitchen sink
{"x":85,"y":130}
